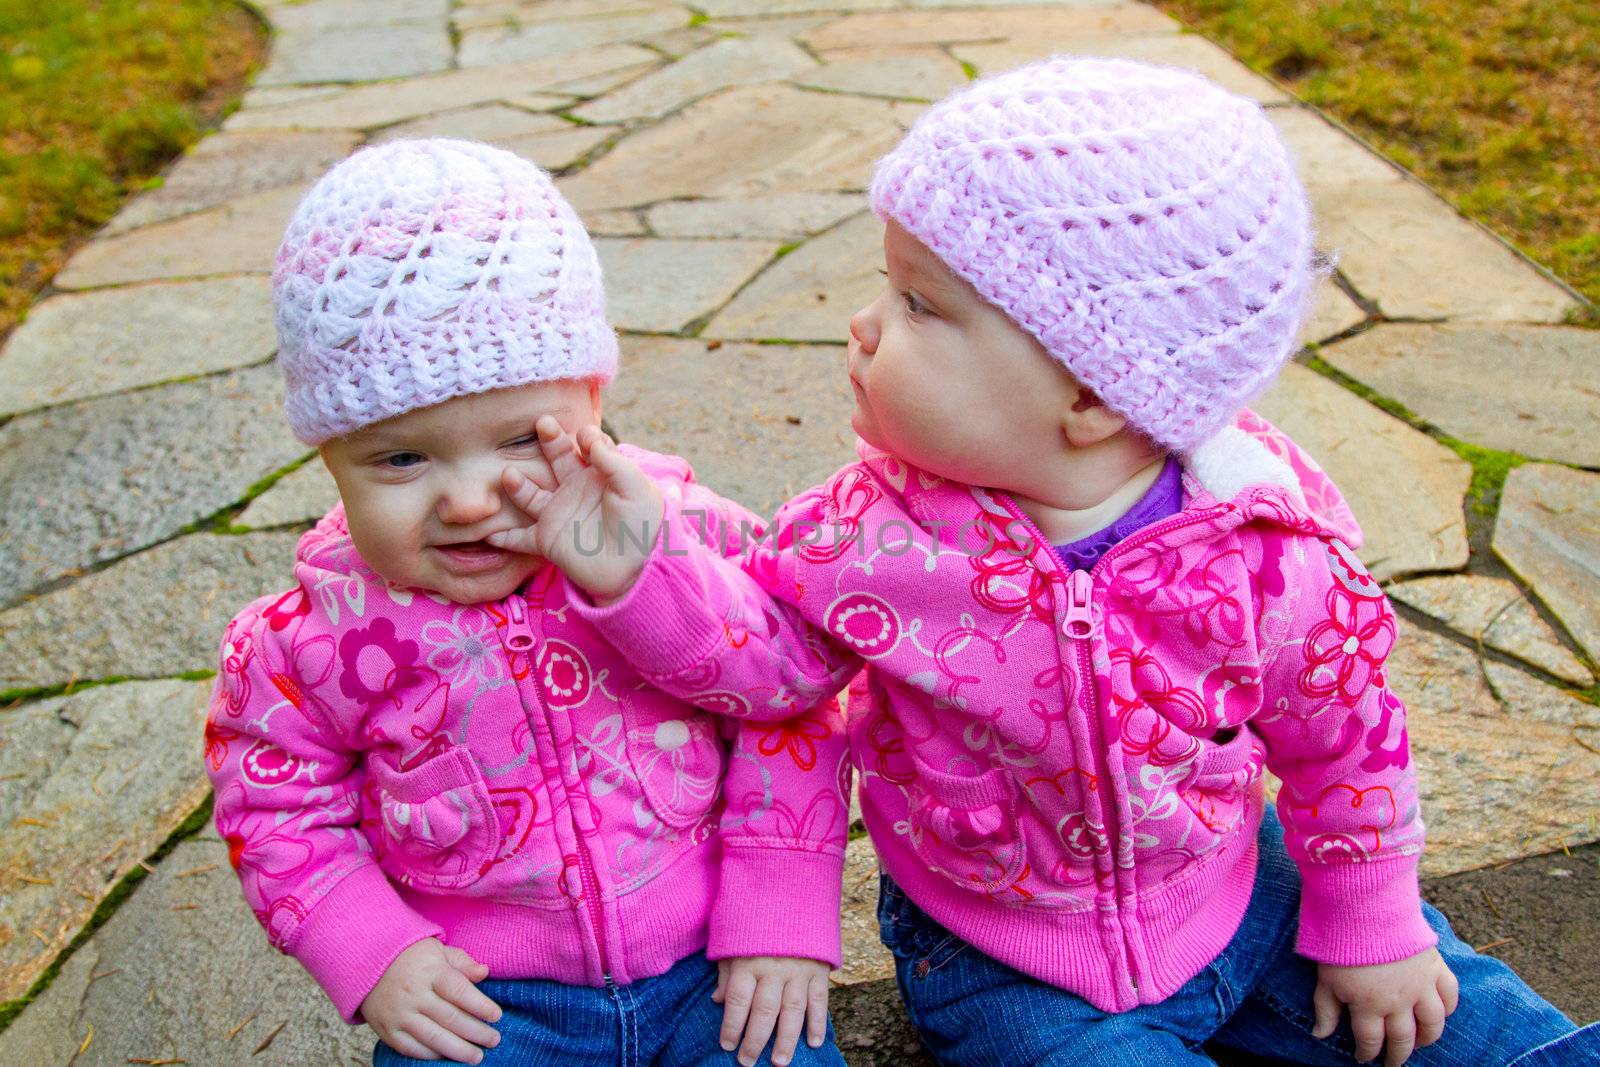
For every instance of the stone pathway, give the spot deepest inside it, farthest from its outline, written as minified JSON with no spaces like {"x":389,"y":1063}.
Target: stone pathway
{"x":719,"y":152}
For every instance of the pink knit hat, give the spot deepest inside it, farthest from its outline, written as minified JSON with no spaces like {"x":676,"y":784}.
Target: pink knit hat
{"x":1146,"y":226}
{"x":417,"y":271}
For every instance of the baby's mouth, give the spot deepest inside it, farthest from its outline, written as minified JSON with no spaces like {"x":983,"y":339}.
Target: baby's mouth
{"x":470,"y":556}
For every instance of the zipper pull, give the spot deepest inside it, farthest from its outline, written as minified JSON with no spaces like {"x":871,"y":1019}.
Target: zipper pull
{"x":518,"y":636}
{"x":1079,"y":623}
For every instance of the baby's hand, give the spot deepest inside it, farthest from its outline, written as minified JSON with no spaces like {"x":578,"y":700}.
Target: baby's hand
{"x":600,"y":523}
{"x":1402,"y":1003}
{"x":756,"y":991}
{"x":425,"y":1003}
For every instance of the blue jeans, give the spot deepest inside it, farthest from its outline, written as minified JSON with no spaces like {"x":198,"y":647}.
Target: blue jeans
{"x":1254,"y":997}
{"x":667,"y":1021}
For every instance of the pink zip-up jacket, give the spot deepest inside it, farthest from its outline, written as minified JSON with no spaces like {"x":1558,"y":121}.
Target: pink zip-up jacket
{"x":1065,"y":769}
{"x":391,"y":766}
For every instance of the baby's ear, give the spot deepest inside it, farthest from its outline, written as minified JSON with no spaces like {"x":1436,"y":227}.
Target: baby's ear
{"x":1088,"y":421}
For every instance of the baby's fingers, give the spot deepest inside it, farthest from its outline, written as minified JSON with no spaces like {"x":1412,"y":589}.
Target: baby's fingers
{"x":1400,"y":1030}
{"x":457,"y":990}
{"x":1430,"y":1021}
{"x":763,"y":1015}
{"x":559,"y":448}
{"x":408,"y":1046}
{"x":736,"y":998}
{"x":1325,"y":1002}
{"x":622,"y":474}
{"x":1368,"y":1031}
{"x":457,"y":1022}
{"x":524,"y":493}
{"x":817,"y":1011}
{"x":437,"y":1039}
{"x":791,"y":1019}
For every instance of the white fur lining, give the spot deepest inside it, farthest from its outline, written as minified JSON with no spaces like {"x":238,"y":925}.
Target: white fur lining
{"x":1232,"y":460}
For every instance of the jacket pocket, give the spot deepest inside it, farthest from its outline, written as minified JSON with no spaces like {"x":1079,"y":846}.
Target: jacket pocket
{"x":967,"y":828}
{"x":677,"y":756}
{"x":1222,"y":774}
{"x":437,"y":825}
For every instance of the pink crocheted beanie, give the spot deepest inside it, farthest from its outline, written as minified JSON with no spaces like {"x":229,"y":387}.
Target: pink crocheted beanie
{"x":417,"y":271}
{"x":1146,"y":226}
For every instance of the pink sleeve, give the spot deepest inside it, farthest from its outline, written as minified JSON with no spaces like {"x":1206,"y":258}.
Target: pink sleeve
{"x":288,"y":801}
{"x":1336,"y":736}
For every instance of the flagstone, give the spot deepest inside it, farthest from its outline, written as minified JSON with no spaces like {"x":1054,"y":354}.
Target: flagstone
{"x":339,"y":14}
{"x":682,"y":41}
{"x":277,"y":96}
{"x":787,"y":26}
{"x":473,"y":15}
{"x":1548,"y":531}
{"x":93,"y":783}
{"x":303,"y":495}
{"x":661,"y":285}
{"x":560,"y":150}
{"x":864,"y":958}
{"x":724,"y":64}
{"x":600,"y":84}
{"x":77,"y":345}
{"x":1187,"y":50}
{"x":358,"y":53}
{"x":622,"y":224}
{"x":810,"y":294}
{"x":1048,"y":30}
{"x":367,"y":106}
{"x":239,"y":237}
{"x":155,"y":614}
{"x":760,"y":423}
{"x":780,"y":215}
{"x":1368,"y":453}
{"x":494,"y":123}
{"x":1534,"y":390}
{"x":1332,"y":313}
{"x":746,"y":142}
{"x":904,"y":73}
{"x":753,"y":8}
{"x":1497,"y":781}
{"x":1326,"y":156}
{"x":182,"y":973}
{"x":226,"y":166}
{"x":544,"y":40}
{"x":100,"y":478}
{"x":1494,"y":611}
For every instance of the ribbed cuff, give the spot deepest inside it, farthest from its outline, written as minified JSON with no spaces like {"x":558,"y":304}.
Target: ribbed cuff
{"x":1360,"y":914}
{"x":673,"y":615}
{"x":353,"y":934}
{"x":777,"y":902}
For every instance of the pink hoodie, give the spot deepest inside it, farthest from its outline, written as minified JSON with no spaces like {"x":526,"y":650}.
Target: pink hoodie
{"x":1065,"y":769}
{"x":391,"y":766}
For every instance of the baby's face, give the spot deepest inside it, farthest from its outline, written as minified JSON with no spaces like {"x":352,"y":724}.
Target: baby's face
{"x":422,"y":490}
{"x":946,"y":381}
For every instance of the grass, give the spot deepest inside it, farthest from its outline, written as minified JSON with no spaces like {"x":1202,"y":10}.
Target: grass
{"x":96,"y":96}
{"x":1494,"y":104}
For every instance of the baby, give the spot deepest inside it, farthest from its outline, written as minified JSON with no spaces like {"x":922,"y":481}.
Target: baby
{"x":444,"y":793}
{"x":1094,"y":598}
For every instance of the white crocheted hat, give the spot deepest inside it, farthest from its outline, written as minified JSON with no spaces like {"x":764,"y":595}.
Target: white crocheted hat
{"x":417,"y":271}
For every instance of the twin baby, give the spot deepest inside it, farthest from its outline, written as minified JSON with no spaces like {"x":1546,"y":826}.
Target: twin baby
{"x":540,"y":761}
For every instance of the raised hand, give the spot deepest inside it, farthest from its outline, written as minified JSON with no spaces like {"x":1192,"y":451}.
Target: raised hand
{"x":426,"y":1005}
{"x":1401,"y":1005}
{"x":760,"y":992}
{"x":601,"y":521}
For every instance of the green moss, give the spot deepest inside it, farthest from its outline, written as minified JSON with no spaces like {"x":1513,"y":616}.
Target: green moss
{"x":698,"y":17}
{"x":1489,"y":470}
{"x":968,"y":69}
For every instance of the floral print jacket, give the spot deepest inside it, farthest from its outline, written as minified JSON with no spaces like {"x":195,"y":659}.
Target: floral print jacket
{"x":1066,"y":768}
{"x":390,"y":766}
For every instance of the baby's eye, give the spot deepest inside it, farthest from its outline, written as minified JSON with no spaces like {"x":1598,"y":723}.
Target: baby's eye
{"x":913,"y":305}
{"x":401,"y":460}
{"x":528,"y":441}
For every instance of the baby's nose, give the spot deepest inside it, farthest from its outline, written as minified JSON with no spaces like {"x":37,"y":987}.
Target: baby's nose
{"x":470,"y":501}
{"x":864,"y":329}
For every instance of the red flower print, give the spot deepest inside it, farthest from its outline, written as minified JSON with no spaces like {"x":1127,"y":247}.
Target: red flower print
{"x":797,"y":736}
{"x":1345,"y":650}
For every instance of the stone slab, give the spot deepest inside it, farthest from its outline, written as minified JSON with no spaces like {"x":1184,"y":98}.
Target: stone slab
{"x":239,"y":237}
{"x":904,"y":73}
{"x":1332,"y":313}
{"x":302,"y":495}
{"x":599,"y":84}
{"x":661,"y":285}
{"x":286,"y":94}
{"x":78,"y":345}
{"x":469,"y":16}
{"x":1494,"y":611}
{"x":1327,"y":157}
{"x":750,"y":141}
{"x":1368,"y":453}
{"x":368,"y":106}
{"x":1548,"y":531}
{"x":1497,"y":782}
{"x":1055,"y":28}
{"x":760,"y":423}
{"x":176,"y":970}
{"x":810,"y":294}
{"x":1534,"y":390}
{"x":682,"y":41}
{"x":98,"y":479}
{"x":1186,"y":50}
{"x":560,"y":150}
{"x":155,"y":614}
{"x":104,"y":777}
{"x":547,"y":40}
{"x":789,"y":215}
{"x":790,"y":27}
{"x":725,"y":64}
{"x":226,"y":166}
{"x":753,"y":8}
{"x":358,"y":53}
{"x":864,"y":959}
{"x":336,"y":14}
{"x":614,"y":224}
{"x":494,"y":123}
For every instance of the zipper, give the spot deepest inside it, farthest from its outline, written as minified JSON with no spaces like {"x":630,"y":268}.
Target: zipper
{"x":519,"y":638}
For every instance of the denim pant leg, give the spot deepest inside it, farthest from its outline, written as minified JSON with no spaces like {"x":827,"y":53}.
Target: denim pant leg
{"x":974,"y":1011}
{"x":681,"y":1013}
{"x":1498,"y":1021}
{"x":542,"y":1024}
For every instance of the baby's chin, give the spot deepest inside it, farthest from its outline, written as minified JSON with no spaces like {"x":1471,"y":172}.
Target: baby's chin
{"x":481,"y":588}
